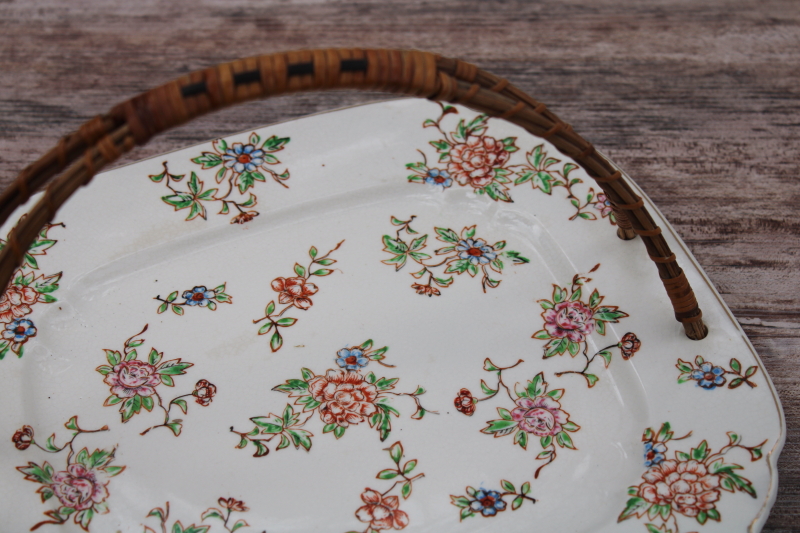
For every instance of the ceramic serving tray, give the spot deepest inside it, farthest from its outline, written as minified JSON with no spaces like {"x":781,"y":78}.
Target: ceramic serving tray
{"x":395,"y":316}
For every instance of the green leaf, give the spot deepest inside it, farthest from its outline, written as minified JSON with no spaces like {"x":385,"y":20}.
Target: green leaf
{"x":239,"y":524}
{"x":504,"y":413}
{"x":285,"y":322}
{"x":500,"y":427}
{"x":701,"y":452}
{"x":173,"y":367}
{"x":154,"y":357}
{"x":559,"y":294}
{"x":263,"y":330}
{"x":736,"y":366}
{"x":299,"y":270}
{"x":409,"y":466}
{"x":570,"y":426}
{"x":684,"y":366}
{"x":178,"y":310}
{"x":489,"y":366}
{"x":387,"y":474}
{"x":546,"y":441}
{"x":405,"y":490}
{"x":564,"y":440}
{"x":338,"y":431}
{"x":113,"y":356}
{"x":182,"y":404}
{"x":537,"y":386}
{"x":486,"y":389}
{"x":276,"y":341}
{"x":591,"y":379}
{"x":147,"y":402}
{"x":447,"y":235}
{"x":396,"y":452}
{"x":507,"y":486}
{"x":634,"y":506}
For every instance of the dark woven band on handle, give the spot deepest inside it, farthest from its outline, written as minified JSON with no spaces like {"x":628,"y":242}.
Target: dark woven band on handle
{"x":105,"y":138}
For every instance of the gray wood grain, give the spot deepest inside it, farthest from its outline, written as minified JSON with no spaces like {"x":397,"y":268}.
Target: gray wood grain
{"x":698,"y":101}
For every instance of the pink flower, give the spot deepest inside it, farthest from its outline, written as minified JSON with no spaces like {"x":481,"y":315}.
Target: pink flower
{"x":541,"y":416}
{"x":79,"y":488}
{"x":603,"y":204}
{"x":16,"y":302}
{"x":295,"y":291}
{"x":130,"y":378}
{"x":686,"y":485}
{"x":345,"y":397}
{"x":473,"y":162}
{"x":381,"y":511}
{"x":569,"y":319}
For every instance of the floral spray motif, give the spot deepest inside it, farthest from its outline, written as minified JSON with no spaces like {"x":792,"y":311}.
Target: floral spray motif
{"x":199,"y":296}
{"x":134,"y":383}
{"x":489,"y":502}
{"x":241,"y":167}
{"x":343,"y":398}
{"x":81,"y":489}
{"x":294,"y":292}
{"x":568,"y":322}
{"x":227,"y":507}
{"x":709,"y":376}
{"x":464,"y":253}
{"x":537,"y":412}
{"x":27,"y":288}
{"x":688,"y":485}
{"x":381,"y":510}
{"x":470,"y":157}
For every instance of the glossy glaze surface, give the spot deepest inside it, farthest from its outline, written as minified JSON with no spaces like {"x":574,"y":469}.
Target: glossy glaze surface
{"x":354,"y":179}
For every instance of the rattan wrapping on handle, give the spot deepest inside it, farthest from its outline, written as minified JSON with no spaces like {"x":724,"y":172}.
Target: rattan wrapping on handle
{"x":105,"y":138}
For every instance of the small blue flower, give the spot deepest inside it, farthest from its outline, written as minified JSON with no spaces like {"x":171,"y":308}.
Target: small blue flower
{"x":709,"y":376}
{"x":476,"y":251}
{"x":243,"y":157}
{"x":487,"y":502}
{"x":351,"y":358}
{"x":653,"y":453}
{"x":198,"y":296}
{"x":439,"y":177}
{"x":19,"y":331}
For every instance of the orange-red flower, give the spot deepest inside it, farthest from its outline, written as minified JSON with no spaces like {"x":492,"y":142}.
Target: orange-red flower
{"x":233,"y":504}
{"x":23,"y":438}
{"x":245,"y":217}
{"x":204,"y":392}
{"x":346,"y":397}
{"x":473,"y":162}
{"x":16,"y":302}
{"x":381,"y":512}
{"x":686,"y":486}
{"x":465,"y":403}
{"x":629,"y":345}
{"x":425,"y":290}
{"x":295,"y":291}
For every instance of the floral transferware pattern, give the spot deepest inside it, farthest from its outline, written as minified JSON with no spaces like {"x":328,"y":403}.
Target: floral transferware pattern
{"x":488,"y":502}
{"x":198,"y":296}
{"x":568,"y":322}
{"x":294,"y":292}
{"x":343,"y":398}
{"x":688,"y":485}
{"x":474,"y":159}
{"x":223,"y":513}
{"x":709,"y":376}
{"x":81,"y":489}
{"x":464,"y":253}
{"x":134,"y":383}
{"x":381,"y":511}
{"x":27,"y":288}
{"x":241,"y":166}
{"x":536,"y":413}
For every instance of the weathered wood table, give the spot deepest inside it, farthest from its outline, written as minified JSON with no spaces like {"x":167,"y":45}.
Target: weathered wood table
{"x":698,"y":101}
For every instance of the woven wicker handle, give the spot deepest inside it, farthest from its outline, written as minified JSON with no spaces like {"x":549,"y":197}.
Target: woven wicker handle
{"x":105,"y":138}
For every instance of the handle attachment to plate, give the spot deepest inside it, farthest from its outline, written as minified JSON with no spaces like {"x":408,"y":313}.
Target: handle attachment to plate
{"x":105,"y":138}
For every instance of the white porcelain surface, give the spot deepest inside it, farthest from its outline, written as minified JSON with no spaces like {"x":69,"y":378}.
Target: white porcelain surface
{"x":122,"y":246}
